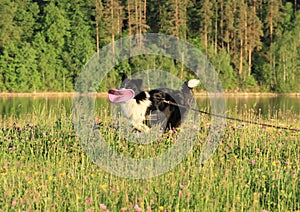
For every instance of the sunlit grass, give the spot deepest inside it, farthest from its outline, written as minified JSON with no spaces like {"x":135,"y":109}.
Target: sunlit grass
{"x":43,"y":167}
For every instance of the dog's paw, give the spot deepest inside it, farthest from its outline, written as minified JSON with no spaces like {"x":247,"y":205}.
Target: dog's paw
{"x":193,"y":83}
{"x":142,"y":128}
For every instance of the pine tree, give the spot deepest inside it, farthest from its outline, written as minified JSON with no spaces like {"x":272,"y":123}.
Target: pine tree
{"x":253,"y":35}
{"x":113,"y":17}
{"x":205,"y":16}
{"x":137,"y":18}
{"x":174,"y":17}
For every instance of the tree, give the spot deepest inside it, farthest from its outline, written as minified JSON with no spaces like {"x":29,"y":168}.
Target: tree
{"x":113,"y":17}
{"x":205,"y":15}
{"x":137,"y":19}
{"x":51,"y":43}
{"x":273,"y":18}
{"x":253,"y":35}
{"x":174,"y":17}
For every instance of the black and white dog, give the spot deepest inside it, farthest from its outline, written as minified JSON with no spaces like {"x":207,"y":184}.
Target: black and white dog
{"x":173,"y":104}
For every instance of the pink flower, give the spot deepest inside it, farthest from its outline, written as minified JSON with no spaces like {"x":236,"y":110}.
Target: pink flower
{"x":137,"y":208}
{"x":287,"y":163}
{"x":253,"y":162}
{"x":264,"y":211}
{"x":123,"y":209}
{"x":22,"y":201}
{"x":145,"y":191}
{"x":12,"y":148}
{"x":14,"y":203}
{"x":140,"y":199}
{"x":257,"y":149}
{"x":103,"y":207}
{"x":89,"y":200}
{"x":181,"y":186}
{"x":148,"y":209}
{"x":180,"y":193}
{"x":89,"y":210}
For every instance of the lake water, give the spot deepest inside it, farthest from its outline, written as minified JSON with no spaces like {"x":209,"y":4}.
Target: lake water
{"x":274,"y":106}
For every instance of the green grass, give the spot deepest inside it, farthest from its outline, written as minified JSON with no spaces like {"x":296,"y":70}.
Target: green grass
{"x":43,"y":167}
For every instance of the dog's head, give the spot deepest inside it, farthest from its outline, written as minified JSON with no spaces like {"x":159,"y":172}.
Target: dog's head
{"x":135,"y":84}
{"x":129,"y":88}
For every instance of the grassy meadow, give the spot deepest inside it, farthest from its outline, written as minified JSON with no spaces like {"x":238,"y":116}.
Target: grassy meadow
{"x":44,"y":168}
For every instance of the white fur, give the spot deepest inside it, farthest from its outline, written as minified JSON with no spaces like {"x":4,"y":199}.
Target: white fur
{"x":193,"y":83}
{"x":135,"y":112}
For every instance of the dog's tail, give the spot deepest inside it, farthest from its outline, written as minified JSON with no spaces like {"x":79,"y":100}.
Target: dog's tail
{"x":189,"y":85}
{"x":192,"y":83}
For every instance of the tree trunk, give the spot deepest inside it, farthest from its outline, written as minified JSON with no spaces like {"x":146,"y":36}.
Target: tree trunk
{"x":241,"y":58}
{"x":249,"y":62}
{"x":97,"y":28}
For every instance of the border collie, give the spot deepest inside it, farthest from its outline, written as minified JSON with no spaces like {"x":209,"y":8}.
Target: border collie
{"x":139,"y":108}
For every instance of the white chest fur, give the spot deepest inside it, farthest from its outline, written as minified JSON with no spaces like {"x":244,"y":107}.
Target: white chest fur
{"x":135,"y":112}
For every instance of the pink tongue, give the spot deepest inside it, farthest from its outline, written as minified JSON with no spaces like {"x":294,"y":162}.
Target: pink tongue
{"x":121,"y":95}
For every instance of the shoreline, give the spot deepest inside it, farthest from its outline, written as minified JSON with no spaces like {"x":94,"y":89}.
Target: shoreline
{"x":104,"y":94}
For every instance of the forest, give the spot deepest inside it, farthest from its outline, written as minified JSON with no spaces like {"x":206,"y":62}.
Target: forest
{"x":254,"y":45}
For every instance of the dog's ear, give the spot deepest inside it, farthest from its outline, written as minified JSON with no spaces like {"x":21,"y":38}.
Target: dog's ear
{"x":138,"y":83}
{"x":124,"y":76}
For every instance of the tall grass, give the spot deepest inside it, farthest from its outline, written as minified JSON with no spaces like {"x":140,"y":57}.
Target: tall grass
{"x":44,"y":168}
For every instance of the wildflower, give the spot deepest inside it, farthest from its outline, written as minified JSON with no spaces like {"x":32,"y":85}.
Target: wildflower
{"x":257,"y":150}
{"x":103,"y":207}
{"x":253,"y":162}
{"x":181,"y":186}
{"x":22,"y":201}
{"x":140,"y":199}
{"x":103,"y":186}
{"x":145,"y":191}
{"x":137,"y":208}
{"x":264,"y":211}
{"x":4,"y":168}
{"x":89,"y":210}
{"x":180,"y":193}
{"x":14,"y":203}
{"x":123,"y":209}
{"x":89,"y":200}
{"x":161,"y":208}
{"x":148,"y":209}
{"x":12,"y":148}
{"x":287,"y":163}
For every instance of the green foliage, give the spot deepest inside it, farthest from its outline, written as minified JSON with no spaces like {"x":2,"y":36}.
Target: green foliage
{"x":45,"y":44}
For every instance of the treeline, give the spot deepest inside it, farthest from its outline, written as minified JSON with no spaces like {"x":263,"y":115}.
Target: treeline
{"x":253,"y":44}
